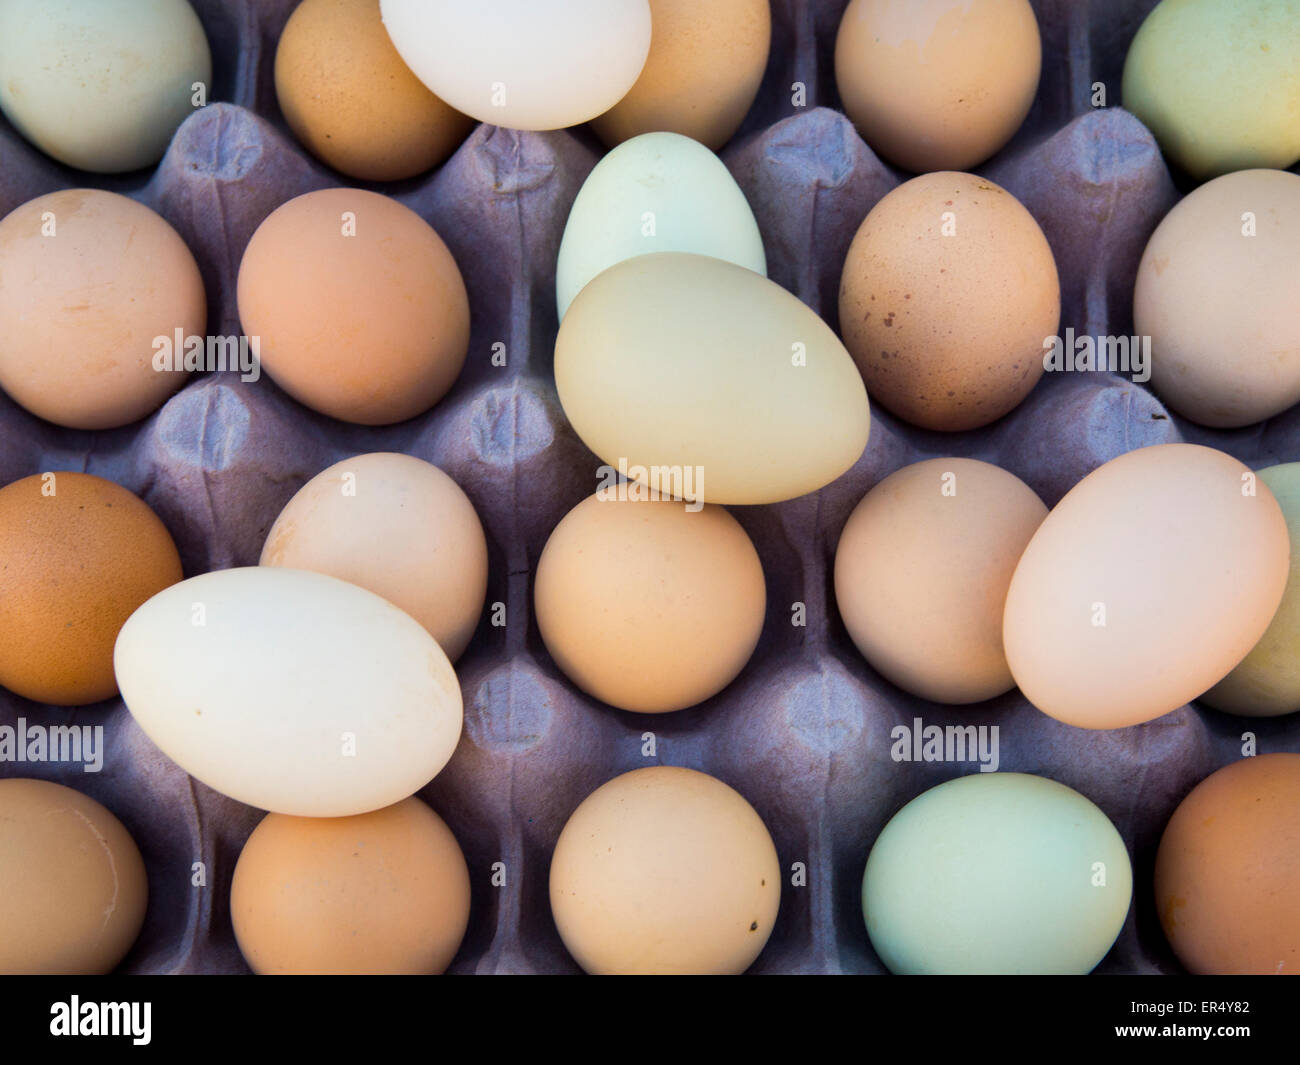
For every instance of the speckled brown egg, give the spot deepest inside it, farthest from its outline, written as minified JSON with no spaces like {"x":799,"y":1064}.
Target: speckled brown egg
{"x":78,"y":554}
{"x":948,"y":293}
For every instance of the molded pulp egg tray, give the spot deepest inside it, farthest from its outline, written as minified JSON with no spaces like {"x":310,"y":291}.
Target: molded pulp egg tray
{"x":804,"y":732}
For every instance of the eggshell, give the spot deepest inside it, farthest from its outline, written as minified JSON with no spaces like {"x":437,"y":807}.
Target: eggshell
{"x":359,"y":309}
{"x":290,"y":690}
{"x":997,"y":874}
{"x":1218,"y":83}
{"x":705,"y":64}
{"x":1145,"y":586}
{"x":922,"y":570}
{"x":523,"y":64}
{"x":350,"y":99}
{"x":689,"y":591}
{"x":665,"y":871}
{"x":650,"y":345}
{"x":948,"y":292}
{"x":397,"y":526}
{"x":656,"y":192}
{"x":101,"y":84}
{"x":937,"y":84}
{"x":78,"y":554}
{"x":1228,"y":870}
{"x":72,"y":881}
{"x":89,"y":280}
{"x":385,"y":892}
{"x":1218,"y":292}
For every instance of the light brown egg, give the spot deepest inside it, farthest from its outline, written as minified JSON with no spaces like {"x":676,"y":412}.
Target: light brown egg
{"x":647,"y":605}
{"x":355,"y":306}
{"x":89,"y":280}
{"x":350,"y":99}
{"x":72,"y":882}
{"x":385,"y":892}
{"x":948,"y":293}
{"x":705,"y":65}
{"x":397,"y":526}
{"x":665,"y":871}
{"x":922,"y":570}
{"x":78,"y":554}
{"x":1227,"y":876}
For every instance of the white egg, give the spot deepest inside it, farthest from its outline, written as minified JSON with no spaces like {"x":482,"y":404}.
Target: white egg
{"x":290,"y":690}
{"x":655,"y":192}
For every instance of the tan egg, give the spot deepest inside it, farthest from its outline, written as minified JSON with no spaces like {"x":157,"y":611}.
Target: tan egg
{"x":89,"y":281}
{"x":1145,"y":586}
{"x":948,"y":293}
{"x":78,"y":554}
{"x":397,"y":526}
{"x":938,"y":84}
{"x":385,"y":892}
{"x":350,"y":99}
{"x":1227,"y":872}
{"x":72,"y":880}
{"x":665,"y":871}
{"x":922,"y":570}
{"x":355,"y":306}
{"x":705,"y":65}
{"x":648,"y":605}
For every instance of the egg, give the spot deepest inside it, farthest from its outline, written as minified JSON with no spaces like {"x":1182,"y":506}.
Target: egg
{"x":705,"y":65}
{"x":948,"y":293}
{"x":997,"y":874}
{"x":937,"y":84}
{"x":1218,"y":83}
{"x":1145,"y":586}
{"x":523,"y":64}
{"x":358,"y":309}
{"x":1217,"y":293}
{"x":72,"y":880}
{"x":1228,"y":870}
{"x":350,"y":99}
{"x":290,"y":691}
{"x":385,"y":892}
{"x":922,"y":570}
{"x":649,"y":346}
{"x":689,"y":591}
{"x":90,"y":283}
{"x":78,"y":555}
{"x":397,"y":526}
{"x":656,"y":192}
{"x":665,"y":871}
{"x":101,"y":85}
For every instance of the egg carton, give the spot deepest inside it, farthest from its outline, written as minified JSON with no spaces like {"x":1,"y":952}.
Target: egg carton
{"x":804,"y":732}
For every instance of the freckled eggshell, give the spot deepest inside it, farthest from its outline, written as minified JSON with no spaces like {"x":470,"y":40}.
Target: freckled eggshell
{"x":1223,"y":308}
{"x":350,"y":99}
{"x":679,"y":621}
{"x":1228,"y":870}
{"x":693,"y":203}
{"x":290,"y":691}
{"x":937,"y":84}
{"x":649,"y":345}
{"x":80,"y":309}
{"x":396,"y":526}
{"x":705,"y":65}
{"x":1185,"y":569}
{"x":996,"y":873}
{"x":948,"y":331}
{"x":665,"y":871}
{"x":74,"y":565}
{"x":523,"y":64}
{"x":385,"y":892}
{"x":922,"y":570}
{"x":371,"y":328}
